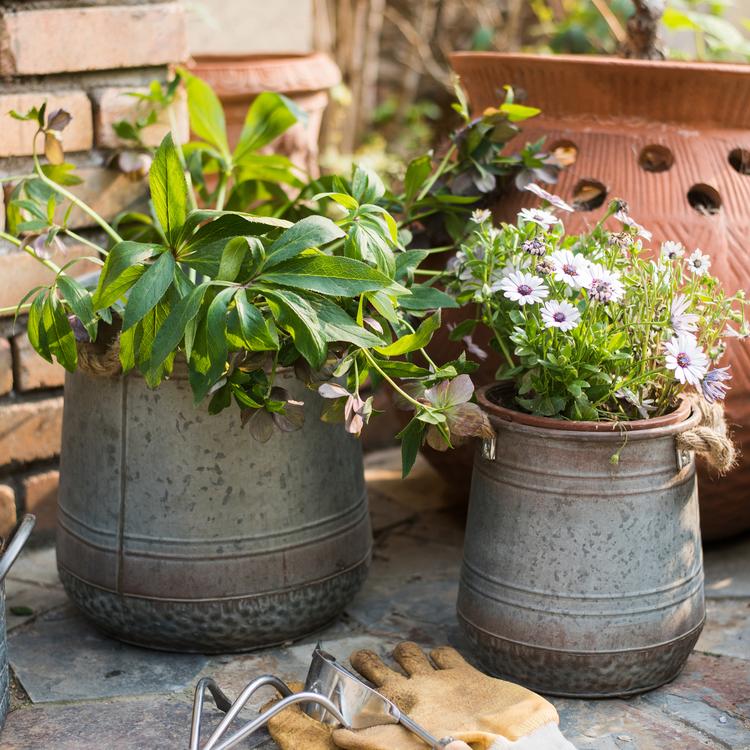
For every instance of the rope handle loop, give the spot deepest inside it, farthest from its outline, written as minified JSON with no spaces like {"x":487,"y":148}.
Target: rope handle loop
{"x":710,"y":438}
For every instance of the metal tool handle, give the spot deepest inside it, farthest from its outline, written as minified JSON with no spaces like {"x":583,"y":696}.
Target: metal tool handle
{"x":423,"y":734}
{"x":16,"y":544}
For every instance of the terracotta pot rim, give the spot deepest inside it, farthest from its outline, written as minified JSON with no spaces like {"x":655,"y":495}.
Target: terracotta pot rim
{"x":679,"y":418}
{"x":602,"y":61}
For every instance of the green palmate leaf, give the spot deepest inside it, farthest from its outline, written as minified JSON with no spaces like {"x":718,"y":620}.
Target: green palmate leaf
{"x":343,"y":199}
{"x":298,"y":317}
{"x":337,"y":325}
{"x":426,"y":298}
{"x":62,"y":174}
{"x":231,"y":258}
{"x":169,"y":190}
{"x":145,"y":336}
{"x":411,"y":441}
{"x":338,"y":277}
{"x":256,"y":335}
{"x":79,"y":301}
{"x":413,"y":341}
{"x":123,"y":259}
{"x":59,"y":334}
{"x":206,"y":113}
{"x":518,"y":112}
{"x":404,"y":370}
{"x":268,"y":168}
{"x":417,"y":172}
{"x":312,"y":231}
{"x":408,"y":261}
{"x":149,"y":289}
{"x":223,"y":225}
{"x":367,"y":187}
{"x":36,"y":330}
{"x":173,"y":329}
{"x":268,"y":117}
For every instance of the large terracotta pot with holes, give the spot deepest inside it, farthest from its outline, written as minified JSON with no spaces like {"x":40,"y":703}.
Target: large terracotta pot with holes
{"x":673,"y":140}
{"x":304,"y":78}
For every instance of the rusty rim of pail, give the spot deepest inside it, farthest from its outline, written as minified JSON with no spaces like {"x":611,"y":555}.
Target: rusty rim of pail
{"x":485,"y":398}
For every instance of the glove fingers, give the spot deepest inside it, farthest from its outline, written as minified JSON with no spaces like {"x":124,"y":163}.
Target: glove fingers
{"x":372,"y":668}
{"x":446,"y":657}
{"x":412,"y":659}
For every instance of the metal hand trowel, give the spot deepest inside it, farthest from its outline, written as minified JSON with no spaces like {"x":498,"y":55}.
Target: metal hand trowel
{"x":358,"y":704}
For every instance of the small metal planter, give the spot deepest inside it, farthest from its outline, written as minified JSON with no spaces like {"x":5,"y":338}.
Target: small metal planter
{"x":7,"y":559}
{"x":177,"y":530}
{"x":583,"y":576}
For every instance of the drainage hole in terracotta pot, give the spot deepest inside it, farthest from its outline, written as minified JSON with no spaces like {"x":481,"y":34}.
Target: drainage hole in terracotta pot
{"x":656,"y":158}
{"x":566,"y":152}
{"x":704,"y":199}
{"x":588,"y":195}
{"x":739,"y":158}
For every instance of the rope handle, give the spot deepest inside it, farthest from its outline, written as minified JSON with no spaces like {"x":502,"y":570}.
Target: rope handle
{"x":710,"y":438}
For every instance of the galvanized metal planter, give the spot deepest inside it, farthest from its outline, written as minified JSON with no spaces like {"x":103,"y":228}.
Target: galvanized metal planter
{"x":6,"y":561}
{"x":179,"y":531}
{"x":583,"y":576}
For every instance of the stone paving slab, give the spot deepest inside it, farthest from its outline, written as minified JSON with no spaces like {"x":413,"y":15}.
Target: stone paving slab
{"x":145,"y":702}
{"x":60,"y":657}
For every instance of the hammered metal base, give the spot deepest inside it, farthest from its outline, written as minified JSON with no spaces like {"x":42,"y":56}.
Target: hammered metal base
{"x":570,"y":674}
{"x":217,"y":626}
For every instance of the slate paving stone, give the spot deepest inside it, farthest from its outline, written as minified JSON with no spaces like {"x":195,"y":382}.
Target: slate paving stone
{"x":37,"y":566}
{"x":28,"y":601}
{"x":727,"y":567}
{"x":60,"y":657}
{"x":727,"y":629}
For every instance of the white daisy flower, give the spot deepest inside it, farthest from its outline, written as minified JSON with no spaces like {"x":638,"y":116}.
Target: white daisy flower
{"x":672,"y":250}
{"x":524,"y":288}
{"x":602,"y":284}
{"x":686,"y":358}
{"x":569,"y":268}
{"x":540,"y":217}
{"x":480,"y":215}
{"x":554,"y":200}
{"x":562,"y":315}
{"x":682,"y":320}
{"x":698,"y":263}
{"x":623,"y":216}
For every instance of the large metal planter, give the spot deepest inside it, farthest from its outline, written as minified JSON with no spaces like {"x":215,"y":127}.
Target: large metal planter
{"x":583,"y":577}
{"x":7,"y":559}
{"x":179,"y":531}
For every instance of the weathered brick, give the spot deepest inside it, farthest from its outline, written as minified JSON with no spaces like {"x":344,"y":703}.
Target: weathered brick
{"x":17,"y":137}
{"x":108,"y":192}
{"x":30,"y":431}
{"x":56,"y":40}
{"x":20,"y":272}
{"x":41,"y":498}
{"x":30,"y":371}
{"x":114,"y":104}
{"x":6,"y":367}
{"x":7,"y":510}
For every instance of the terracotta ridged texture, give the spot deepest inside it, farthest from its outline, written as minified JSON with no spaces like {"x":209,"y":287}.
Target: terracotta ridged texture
{"x":611,"y":110}
{"x":306,"y":79}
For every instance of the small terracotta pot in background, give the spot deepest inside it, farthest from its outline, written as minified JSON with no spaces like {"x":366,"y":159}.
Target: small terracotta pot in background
{"x":304,"y":78}
{"x":673,"y":140}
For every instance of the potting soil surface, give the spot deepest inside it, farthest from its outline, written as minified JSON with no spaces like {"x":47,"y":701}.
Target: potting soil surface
{"x":76,"y":689}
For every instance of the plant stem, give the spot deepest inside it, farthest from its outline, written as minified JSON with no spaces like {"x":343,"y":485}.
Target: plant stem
{"x":222,"y":193}
{"x":60,"y":190}
{"x":15,"y":308}
{"x":181,"y":157}
{"x":437,"y":173}
{"x":416,"y":404}
{"x":78,"y":238}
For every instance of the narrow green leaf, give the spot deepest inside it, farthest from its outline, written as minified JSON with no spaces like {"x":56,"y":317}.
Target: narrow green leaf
{"x":169,"y":190}
{"x":36,"y":330}
{"x":124,"y":257}
{"x":417,"y":172}
{"x":426,"y":298}
{"x":216,"y":331}
{"x":231,"y":258}
{"x":413,"y":341}
{"x":149,"y":289}
{"x":171,"y":332}
{"x":337,"y":325}
{"x":312,"y":231}
{"x":255,"y":332}
{"x":60,"y":338}
{"x":411,"y":441}
{"x":79,"y":301}
{"x":334,"y":276}
{"x":206,"y":113}
{"x":267,"y":118}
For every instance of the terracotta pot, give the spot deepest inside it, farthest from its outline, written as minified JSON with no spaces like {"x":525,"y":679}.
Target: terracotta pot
{"x":583,"y":577}
{"x":238,"y":79}
{"x":667,"y":137}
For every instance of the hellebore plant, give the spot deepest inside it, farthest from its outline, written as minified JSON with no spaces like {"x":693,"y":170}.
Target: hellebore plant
{"x":595,"y":326}
{"x":239,"y":296}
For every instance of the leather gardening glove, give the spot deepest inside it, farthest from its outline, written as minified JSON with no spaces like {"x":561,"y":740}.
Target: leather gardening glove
{"x":293,"y":729}
{"x":452,"y":699}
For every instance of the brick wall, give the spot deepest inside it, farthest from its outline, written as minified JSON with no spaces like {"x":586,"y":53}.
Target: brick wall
{"x":84,"y":57}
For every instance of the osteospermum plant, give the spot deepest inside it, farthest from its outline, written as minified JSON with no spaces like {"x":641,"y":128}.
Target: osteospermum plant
{"x":597,"y":326}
